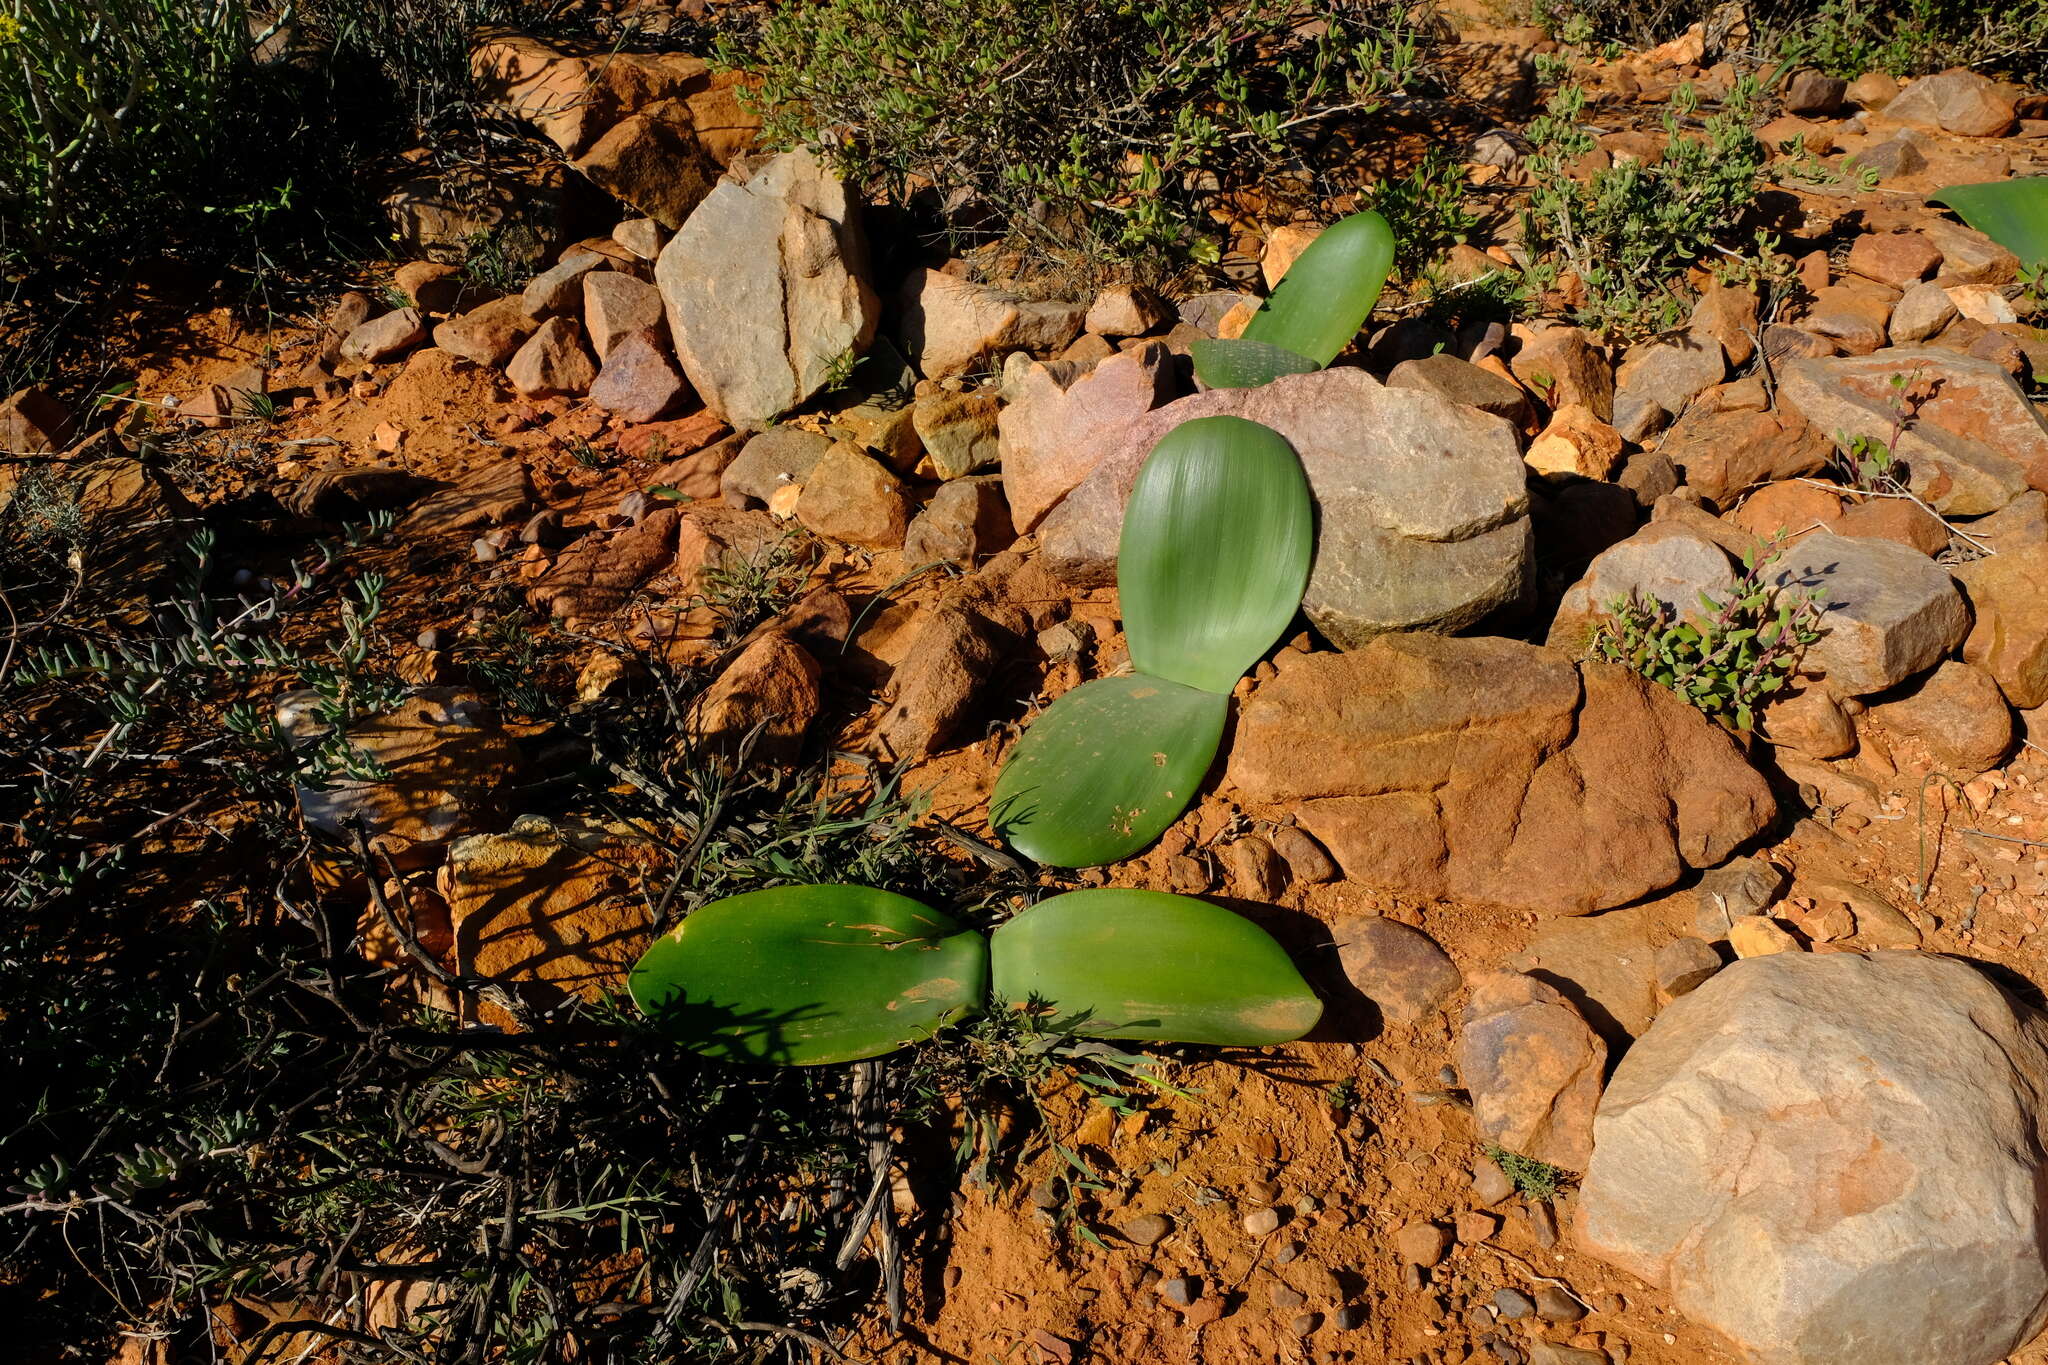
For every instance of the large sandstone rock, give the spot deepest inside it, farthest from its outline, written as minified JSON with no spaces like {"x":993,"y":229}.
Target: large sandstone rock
{"x":1057,"y":427}
{"x":1888,"y":612}
{"x":1971,"y":444}
{"x":2009,"y":638}
{"x":1422,"y":511}
{"x":1667,"y":562}
{"x":950,"y":323}
{"x":1957,"y":101}
{"x":1496,"y":771}
{"x":1833,"y":1159}
{"x":766,"y":291}
{"x":1723,"y":451}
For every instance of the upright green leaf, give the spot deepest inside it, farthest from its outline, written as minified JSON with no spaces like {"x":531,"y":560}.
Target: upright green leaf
{"x":1329,"y":291}
{"x":807,"y":975}
{"x":1237,"y":363}
{"x":1106,"y":768}
{"x":2012,"y":213}
{"x":1215,"y":551}
{"x":1144,"y":964}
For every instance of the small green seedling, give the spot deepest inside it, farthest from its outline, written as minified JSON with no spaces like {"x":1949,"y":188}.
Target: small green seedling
{"x":1314,"y":312}
{"x":817,"y":975}
{"x":1214,"y":556}
{"x":1532,"y":1179}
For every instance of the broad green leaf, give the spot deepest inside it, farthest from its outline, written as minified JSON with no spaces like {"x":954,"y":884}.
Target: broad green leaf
{"x":807,"y":975}
{"x":1144,"y":964}
{"x":1215,"y":551}
{"x":2012,"y":213}
{"x":1236,"y":363}
{"x":1106,"y":768}
{"x":1329,"y":291}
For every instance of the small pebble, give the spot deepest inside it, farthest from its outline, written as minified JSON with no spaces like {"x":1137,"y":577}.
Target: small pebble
{"x":1556,"y":1305}
{"x":1411,"y":1277}
{"x":1490,"y":1184}
{"x":1263,"y":1192}
{"x":1146,"y":1229}
{"x":432,"y":639}
{"x":1479,"y":1317}
{"x":1287,"y":1252}
{"x":1180,"y":1290}
{"x":1349,"y":1318}
{"x":1285,"y":1296}
{"x":1307,"y":1204}
{"x":1475,"y":1227}
{"x":1304,"y":1323}
{"x":1609,"y":1303}
{"x":1422,"y":1243}
{"x":1543,"y":1223}
{"x":1513,"y":1305}
{"x":1262,"y":1222}
{"x":1045,"y":1195}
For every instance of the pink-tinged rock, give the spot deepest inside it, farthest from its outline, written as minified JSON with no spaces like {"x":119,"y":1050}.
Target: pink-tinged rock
{"x":1871,"y":1192}
{"x":552,"y":361}
{"x":1494,"y":771}
{"x":383,"y":338}
{"x":638,"y":380}
{"x":1053,"y":434}
{"x":489,"y":334}
{"x":1958,"y":101}
{"x":1663,"y":562}
{"x":1894,"y":259}
{"x":1973,"y":441}
{"x":596,"y":575}
{"x":1533,"y":1068}
{"x":34,"y":423}
{"x":1399,"y":969}
{"x":615,"y":305}
{"x":1127,"y":310}
{"x":559,"y":288}
{"x":768,"y":695}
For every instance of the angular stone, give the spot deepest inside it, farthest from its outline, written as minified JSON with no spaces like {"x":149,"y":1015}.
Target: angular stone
{"x":1461,"y":381}
{"x":1307,"y":861}
{"x":488,"y":334}
{"x":552,"y":361}
{"x":1969,"y":257}
{"x":1724,"y":452}
{"x":1574,"y":445}
{"x":1922,"y":311}
{"x":775,"y":459}
{"x":1808,"y":719}
{"x":642,"y":236}
{"x":1684,"y":965}
{"x":765,"y":290}
{"x":1970,"y":444}
{"x":430,"y":286}
{"x":1729,"y":315}
{"x":1814,"y":92}
{"x":848,"y":496}
{"x":638,"y":381}
{"x":1958,"y":712}
{"x":769,"y":693}
{"x":1056,"y":427}
{"x":1562,"y":365}
{"x":2008,"y":593}
{"x":652,"y":160}
{"x":966,"y":521}
{"x":558,"y":290}
{"x":1896,"y":520}
{"x":616,"y":305}
{"x":382,"y":338}
{"x":948,"y":324}
{"x":1663,"y":562}
{"x":1760,"y":936}
{"x":1958,"y":101}
{"x":1789,"y":509}
{"x":1423,"y":511}
{"x":957,"y":431}
{"x":1869,"y":1192}
{"x":1672,"y":370}
{"x":1495,"y":771}
{"x":1533,"y":1068}
{"x":1602,"y":964}
{"x":1399,"y":969}
{"x":444,"y":759}
{"x":34,"y":423}
{"x":596,"y":575}
{"x":946,"y":673}
{"x":1895,"y":259}
{"x":1887,"y":611}
{"x":1853,"y":314}
{"x":490,"y":496}
{"x":1125,"y":310}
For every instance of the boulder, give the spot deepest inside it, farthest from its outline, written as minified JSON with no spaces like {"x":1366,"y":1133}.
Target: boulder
{"x":638,"y":381}
{"x":1970,"y":444}
{"x":772,"y":460}
{"x":652,"y":160}
{"x":1058,"y":426}
{"x":1958,"y":101}
{"x":949,"y":324}
{"x":766,"y":292}
{"x":1399,"y":969}
{"x":769,"y":693}
{"x":1495,"y":771}
{"x":2009,"y":637}
{"x":1888,"y":612}
{"x":559,"y":288}
{"x":1422,"y":508}
{"x":1870,"y":1192}
{"x":965,"y":522}
{"x":848,"y":496}
{"x":489,"y":496}
{"x":1664,"y":562}
{"x":1968,"y":256}
{"x":552,"y":361}
{"x":1574,"y":444}
{"x":1897,"y":520}
{"x":948,"y":670}
{"x":1533,"y":1068}
{"x":1447,"y":376}
{"x":1790,"y":509}
{"x":488,"y":334}
{"x":616,"y":305}
{"x":1958,"y":712}
{"x":1670,"y":371}
{"x":573,"y":93}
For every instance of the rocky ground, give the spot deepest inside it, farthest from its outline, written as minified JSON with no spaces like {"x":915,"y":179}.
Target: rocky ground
{"x":1520,"y":874}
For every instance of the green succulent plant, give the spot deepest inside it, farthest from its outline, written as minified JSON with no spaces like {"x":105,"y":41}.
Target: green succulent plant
{"x":2012,"y":213}
{"x":1313,"y":313}
{"x":818,"y":975}
{"x":1213,"y":559}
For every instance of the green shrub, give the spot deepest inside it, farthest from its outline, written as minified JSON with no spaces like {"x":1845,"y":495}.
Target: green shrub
{"x":1631,"y":228}
{"x":1100,"y":127}
{"x":1730,"y":659}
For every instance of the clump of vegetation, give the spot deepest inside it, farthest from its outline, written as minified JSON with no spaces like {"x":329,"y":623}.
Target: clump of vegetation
{"x":1629,"y":229}
{"x":1532,"y":1179}
{"x":1083,"y":129}
{"x":1730,"y":659}
{"x":1908,"y":37}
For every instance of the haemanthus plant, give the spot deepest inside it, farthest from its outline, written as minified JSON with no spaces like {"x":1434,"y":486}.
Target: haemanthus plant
{"x":815,"y":975}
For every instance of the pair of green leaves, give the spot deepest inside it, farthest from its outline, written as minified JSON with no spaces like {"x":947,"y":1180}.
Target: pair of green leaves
{"x":1210,"y":569}
{"x":2012,"y":213}
{"x":811,"y":975}
{"x":1314,"y":312}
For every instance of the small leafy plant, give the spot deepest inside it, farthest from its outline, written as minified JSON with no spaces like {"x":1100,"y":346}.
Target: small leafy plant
{"x":1728,"y":661}
{"x":1532,"y":1179}
{"x":816,"y":975}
